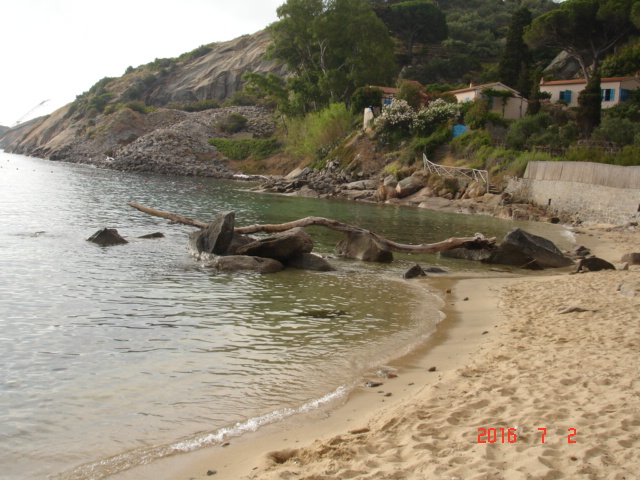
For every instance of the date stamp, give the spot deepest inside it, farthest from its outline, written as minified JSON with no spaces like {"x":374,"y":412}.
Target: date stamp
{"x":510,"y":435}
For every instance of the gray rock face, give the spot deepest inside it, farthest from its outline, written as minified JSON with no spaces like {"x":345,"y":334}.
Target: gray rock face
{"x":360,"y":246}
{"x":309,"y":261}
{"x":107,"y":237}
{"x":218,"y":74}
{"x":235,"y":263}
{"x":519,"y":248}
{"x":281,"y":246}
{"x":216,"y":237}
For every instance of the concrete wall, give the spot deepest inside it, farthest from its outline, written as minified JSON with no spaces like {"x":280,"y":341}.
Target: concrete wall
{"x":580,"y":201}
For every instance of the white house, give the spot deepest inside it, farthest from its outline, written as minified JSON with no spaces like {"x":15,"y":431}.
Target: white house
{"x":614,"y":90}
{"x":511,"y":108}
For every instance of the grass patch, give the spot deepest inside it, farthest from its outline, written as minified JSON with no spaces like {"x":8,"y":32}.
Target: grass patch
{"x":243,"y":148}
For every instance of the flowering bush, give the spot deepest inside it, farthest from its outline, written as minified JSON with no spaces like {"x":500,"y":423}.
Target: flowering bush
{"x":396,"y":118}
{"x":438,"y":113}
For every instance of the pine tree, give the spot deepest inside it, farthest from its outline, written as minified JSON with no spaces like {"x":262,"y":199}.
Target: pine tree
{"x":515,"y":56}
{"x":590,"y":106}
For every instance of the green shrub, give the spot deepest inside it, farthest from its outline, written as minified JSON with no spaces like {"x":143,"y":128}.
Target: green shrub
{"x":428,"y":145}
{"x":540,"y":131}
{"x":517,"y":167}
{"x":242,"y":149}
{"x":201,"y":106}
{"x":621,"y":131}
{"x":466,"y":145}
{"x":242,"y":99}
{"x":311,"y":137}
{"x":233,"y":123}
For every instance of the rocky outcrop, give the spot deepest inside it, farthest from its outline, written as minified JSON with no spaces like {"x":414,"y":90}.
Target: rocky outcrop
{"x":217,"y":75}
{"x":164,"y":141}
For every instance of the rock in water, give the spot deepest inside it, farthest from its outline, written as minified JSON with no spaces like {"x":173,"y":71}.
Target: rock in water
{"x":415,"y":271}
{"x":216,"y":237}
{"x":281,"y":246}
{"x":309,"y":261}
{"x":519,"y":248}
{"x":153,"y":235}
{"x":235,"y":263}
{"x":362,"y":246}
{"x":107,"y":237}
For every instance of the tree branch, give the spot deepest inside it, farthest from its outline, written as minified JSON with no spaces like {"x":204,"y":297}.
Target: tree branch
{"x":448,"y":244}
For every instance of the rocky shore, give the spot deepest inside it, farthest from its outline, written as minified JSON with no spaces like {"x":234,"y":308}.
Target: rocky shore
{"x":420,"y":190}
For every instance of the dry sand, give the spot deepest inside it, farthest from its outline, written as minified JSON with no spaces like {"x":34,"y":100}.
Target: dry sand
{"x":559,"y":362}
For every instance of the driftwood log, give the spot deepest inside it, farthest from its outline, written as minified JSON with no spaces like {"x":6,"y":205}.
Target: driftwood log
{"x":448,"y":244}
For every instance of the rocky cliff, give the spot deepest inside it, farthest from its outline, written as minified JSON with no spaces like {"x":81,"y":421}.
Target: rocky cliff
{"x":100,"y":128}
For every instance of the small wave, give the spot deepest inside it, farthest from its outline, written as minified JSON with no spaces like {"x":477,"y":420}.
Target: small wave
{"x":125,"y":461}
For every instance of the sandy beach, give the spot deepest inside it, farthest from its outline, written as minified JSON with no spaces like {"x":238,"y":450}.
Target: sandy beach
{"x":535,"y":378}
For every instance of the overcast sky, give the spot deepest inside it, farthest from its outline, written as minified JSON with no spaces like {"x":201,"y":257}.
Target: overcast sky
{"x":56,"y":49}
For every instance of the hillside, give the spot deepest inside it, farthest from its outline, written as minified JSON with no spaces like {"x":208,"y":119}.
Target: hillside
{"x":126,"y":118}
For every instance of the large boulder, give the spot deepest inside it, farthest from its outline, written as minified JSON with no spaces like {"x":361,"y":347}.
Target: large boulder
{"x":216,"y":237}
{"x":235,"y":263}
{"x":520,"y":247}
{"x":408,"y":185}
{"x":107,"y":237}
{"x":281,"y":246}
{"x":363,"y":246}
{"x":309,"y":261}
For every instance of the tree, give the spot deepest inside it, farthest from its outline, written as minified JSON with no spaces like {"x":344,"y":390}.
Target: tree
{"x":585,"y":29}
{"x":515,"y":56}
{"x":416,"y":21}
{"x":412,"y":93}
{"x":331,"y":48}
{"x":590,"y":106}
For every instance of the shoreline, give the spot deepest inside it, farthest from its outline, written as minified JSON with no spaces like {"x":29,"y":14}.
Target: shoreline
{"x":457,"y":337}
{"x":355,"y":436}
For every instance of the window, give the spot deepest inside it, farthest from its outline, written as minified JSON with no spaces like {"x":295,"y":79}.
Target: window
{"x":624,"y":94}
{"x":565,"y":96}
{"x":608,"y":94}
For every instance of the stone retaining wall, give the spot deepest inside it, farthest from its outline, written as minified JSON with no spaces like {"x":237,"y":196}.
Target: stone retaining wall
{"x":579,"y":201}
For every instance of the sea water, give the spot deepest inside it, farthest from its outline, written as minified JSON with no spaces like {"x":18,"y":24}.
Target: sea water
{"x":112,"y":357}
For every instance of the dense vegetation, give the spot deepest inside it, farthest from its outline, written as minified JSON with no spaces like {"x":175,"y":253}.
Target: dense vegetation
{"x":335,"y":50}
{"x":477,"y":40}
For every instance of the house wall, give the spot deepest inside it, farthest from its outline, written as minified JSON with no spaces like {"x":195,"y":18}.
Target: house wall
{"x":576,"y":88}
{"x":514,"y":108}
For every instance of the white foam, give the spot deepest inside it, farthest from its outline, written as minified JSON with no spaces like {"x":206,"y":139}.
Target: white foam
{"x":253,"y":424}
